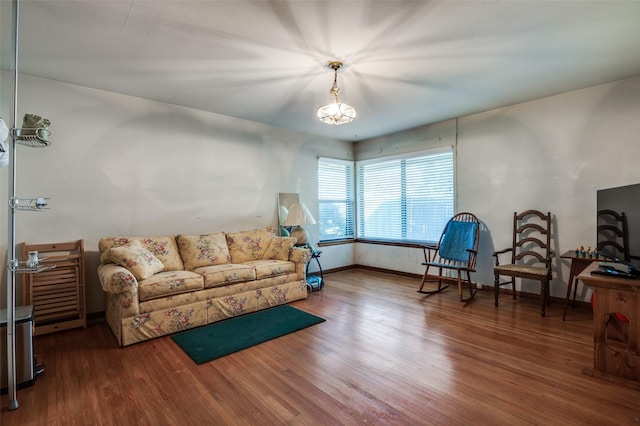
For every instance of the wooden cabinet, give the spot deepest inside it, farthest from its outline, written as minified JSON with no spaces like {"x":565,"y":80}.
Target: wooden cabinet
{"x":57,"y":294}
{"x":615,"y":358}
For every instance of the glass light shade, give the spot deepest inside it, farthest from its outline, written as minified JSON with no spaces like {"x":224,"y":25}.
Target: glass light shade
{"x":336,"y":113}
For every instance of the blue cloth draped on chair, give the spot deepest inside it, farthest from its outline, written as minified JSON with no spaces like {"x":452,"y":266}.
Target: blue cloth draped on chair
{"x":458,"y":239}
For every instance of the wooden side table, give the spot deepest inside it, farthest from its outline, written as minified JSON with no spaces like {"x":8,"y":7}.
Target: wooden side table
{"x":578,"y":264}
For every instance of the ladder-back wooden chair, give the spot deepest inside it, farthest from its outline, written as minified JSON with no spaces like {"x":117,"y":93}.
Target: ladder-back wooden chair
{"x":531,"y":254}
{"x":613,"y":235}
{"x":454,"y":257}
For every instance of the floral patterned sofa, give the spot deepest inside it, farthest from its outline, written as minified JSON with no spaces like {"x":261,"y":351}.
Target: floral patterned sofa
{"x":160,"y":285}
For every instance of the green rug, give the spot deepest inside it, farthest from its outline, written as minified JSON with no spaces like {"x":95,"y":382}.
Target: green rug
{"x":222,"y":338}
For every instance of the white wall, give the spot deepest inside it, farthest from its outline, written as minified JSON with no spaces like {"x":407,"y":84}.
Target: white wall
{"x":120,"y":165}
{"x":551,"y":154}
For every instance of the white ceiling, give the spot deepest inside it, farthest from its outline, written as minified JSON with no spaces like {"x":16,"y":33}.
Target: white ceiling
{"x":407,"y":63}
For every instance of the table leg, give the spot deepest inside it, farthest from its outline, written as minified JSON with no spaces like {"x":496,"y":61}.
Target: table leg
{"x":572,"y":277}
{"x":577,"y":266}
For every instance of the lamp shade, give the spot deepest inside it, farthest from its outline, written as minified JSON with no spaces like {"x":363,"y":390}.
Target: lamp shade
{"x":299,"y":215}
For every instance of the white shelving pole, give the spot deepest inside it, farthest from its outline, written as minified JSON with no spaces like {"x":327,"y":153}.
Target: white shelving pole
{"x":36,"y":137}
{"x":11,"y":236}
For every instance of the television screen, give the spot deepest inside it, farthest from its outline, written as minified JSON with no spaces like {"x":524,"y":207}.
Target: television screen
{"x":618,"y":223}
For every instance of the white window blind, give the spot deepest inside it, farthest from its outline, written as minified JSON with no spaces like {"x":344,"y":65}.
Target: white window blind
{"x":335,"y":199}
{"x":407,"y":198}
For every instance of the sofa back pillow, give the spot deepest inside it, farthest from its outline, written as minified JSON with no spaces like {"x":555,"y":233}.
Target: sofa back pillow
{"x":279,"y":248}
{"x":136,"y":258}
{"x":203,"y":250}
{"x":164,"y":248}
{"x":249,"y":245}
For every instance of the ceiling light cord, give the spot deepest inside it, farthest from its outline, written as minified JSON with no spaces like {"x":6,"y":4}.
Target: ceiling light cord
{"x":335,"y":90}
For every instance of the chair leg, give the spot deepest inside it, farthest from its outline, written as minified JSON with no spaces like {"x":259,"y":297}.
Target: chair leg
{"x":513,"y":286}
{"x":544,"y":292}
{"x":472,"y":289}
{"x":496,"y":287}
{"x":424,"y":279}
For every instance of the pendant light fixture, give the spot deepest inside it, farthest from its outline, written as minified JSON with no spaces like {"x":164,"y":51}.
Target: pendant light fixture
{"x":337,"y":112}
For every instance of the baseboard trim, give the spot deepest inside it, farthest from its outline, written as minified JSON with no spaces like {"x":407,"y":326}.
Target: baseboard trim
{"x":101,"y":316}
{"x":485,"y":288}
{"x":95,"y":317}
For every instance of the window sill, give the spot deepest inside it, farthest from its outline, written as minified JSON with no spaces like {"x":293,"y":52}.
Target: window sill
{"x":412,"y":244}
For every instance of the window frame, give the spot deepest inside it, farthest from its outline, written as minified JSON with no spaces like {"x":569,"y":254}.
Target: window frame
{"x":406,"y":156}
{"x":349,"y":202}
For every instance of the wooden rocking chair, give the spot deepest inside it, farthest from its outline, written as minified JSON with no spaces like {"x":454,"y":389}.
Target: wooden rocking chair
{"x":454,"y":256}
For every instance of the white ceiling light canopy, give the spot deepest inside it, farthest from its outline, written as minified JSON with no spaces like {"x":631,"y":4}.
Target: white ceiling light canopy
{"x":337,"y":112}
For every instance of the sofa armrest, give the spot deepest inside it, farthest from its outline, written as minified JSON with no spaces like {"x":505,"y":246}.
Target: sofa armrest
{"x":300,"y":255}
{"x":115,"y":279}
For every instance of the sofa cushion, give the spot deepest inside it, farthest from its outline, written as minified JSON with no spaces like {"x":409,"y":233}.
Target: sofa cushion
{"x":249,"y":245}
{"x":164,"y":248}
{"x":219,"y":275}
{"x":279,"y":248}
{"x":203,"y":250}
{"x":136,"y":258}
{"x":271,"y":268}
{"x":169,"y":283}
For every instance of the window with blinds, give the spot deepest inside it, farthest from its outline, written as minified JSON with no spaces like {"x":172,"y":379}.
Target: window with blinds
{"x":408,"y":198}
{"x":335,"y":199}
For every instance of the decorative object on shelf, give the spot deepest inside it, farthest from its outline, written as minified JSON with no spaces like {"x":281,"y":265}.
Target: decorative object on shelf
{"x":587,"y":253}
{"x":299,"y":215}
{"x":34,"y":125}
{"x":33,"y":121}
{"x":32,"y":260}
{"x":337,"y":112}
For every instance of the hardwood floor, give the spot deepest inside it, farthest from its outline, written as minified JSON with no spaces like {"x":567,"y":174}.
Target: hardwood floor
{"x":385,"y":355}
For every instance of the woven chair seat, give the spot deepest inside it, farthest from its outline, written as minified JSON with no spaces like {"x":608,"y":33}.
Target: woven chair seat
{"x":538,"y":271}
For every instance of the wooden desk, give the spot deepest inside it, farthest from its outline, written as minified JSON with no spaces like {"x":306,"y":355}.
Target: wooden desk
{"x":578,"y":264}
{"x":617,"y":361}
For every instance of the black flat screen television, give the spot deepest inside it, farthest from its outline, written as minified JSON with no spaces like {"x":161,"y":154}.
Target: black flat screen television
{"x":618,"y":223}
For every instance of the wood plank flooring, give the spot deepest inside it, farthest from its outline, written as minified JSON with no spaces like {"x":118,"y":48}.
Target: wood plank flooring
{"x":386,"y":355}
